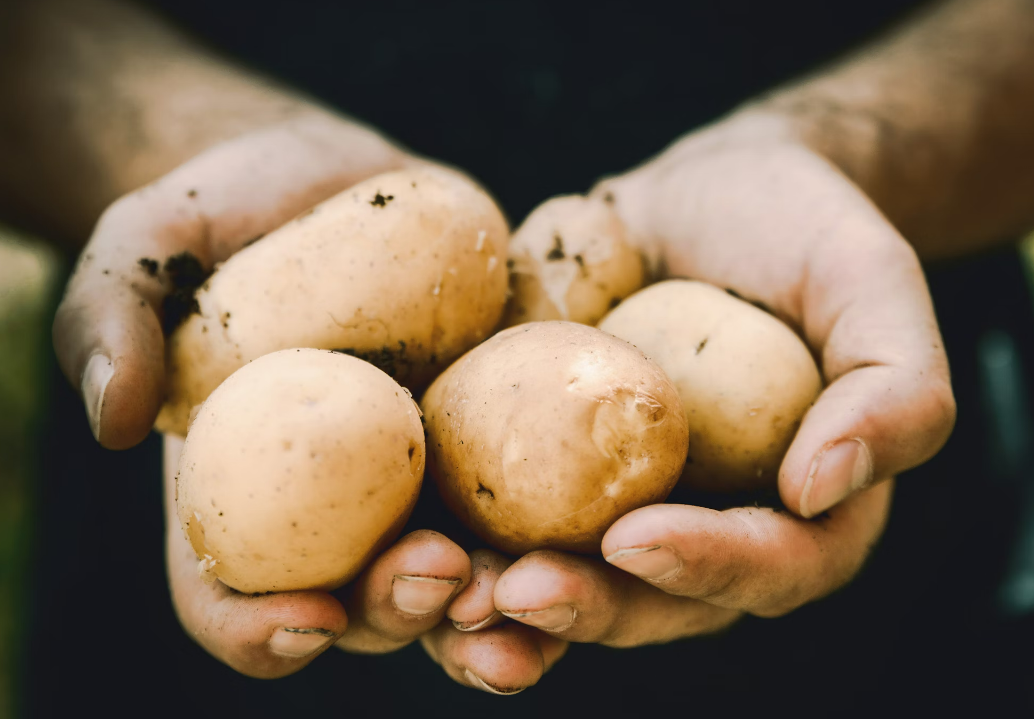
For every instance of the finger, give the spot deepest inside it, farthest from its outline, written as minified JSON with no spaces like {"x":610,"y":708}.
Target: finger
{"x":756,"y":560}
{"x":474,"y":607}
{"x":108,"y":329}
{"x":266,"y":636}
{"x":404,"y":593}
{"x":501,"y":660}
{"x":834,"y":268}
{"x":888,"y":405}
{"x":584,"y":600}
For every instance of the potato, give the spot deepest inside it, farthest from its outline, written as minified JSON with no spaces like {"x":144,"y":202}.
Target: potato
{"x":571,"y":259}
{"x":404,"y":270}
{"x":745,"y":378}
{"x":548,"y":432}
{"x":297,"y":470}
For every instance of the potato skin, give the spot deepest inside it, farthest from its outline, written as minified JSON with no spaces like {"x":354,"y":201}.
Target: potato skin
{"x":571,"y":259}
{"x":405,"y":270}
{"x":548,"y":432}
{"x":746,"y":380}
{"x":297,"y":470}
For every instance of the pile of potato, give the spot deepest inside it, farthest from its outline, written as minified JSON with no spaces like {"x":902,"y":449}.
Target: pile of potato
{"x":294,"y":383}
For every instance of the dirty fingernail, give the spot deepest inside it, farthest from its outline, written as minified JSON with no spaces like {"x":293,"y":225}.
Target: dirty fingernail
{"x":96,"y":376}
{"x":482,"y":684}
{"x":421,"y":595}
{"x":835,"y":474}
{"x":656,"y":563}
{"x":298,"y":643}
{"x":554,"y":619}
{"x":474,"y":626}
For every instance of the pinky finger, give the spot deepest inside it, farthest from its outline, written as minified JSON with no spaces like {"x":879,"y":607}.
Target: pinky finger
{"x":502,"y":660}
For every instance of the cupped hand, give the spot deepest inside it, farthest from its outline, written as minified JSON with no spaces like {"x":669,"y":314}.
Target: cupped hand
{"x":401,"y":596}
{"x":702,"y":569}
{"x":743,"y":205}
{"x":108,"y":329}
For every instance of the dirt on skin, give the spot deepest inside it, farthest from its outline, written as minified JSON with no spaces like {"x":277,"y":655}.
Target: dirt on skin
{"x":186,"y":275}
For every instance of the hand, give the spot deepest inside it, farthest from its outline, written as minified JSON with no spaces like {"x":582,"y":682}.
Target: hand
{"x":108,"y":329}
{"x":478,"y":648}
{"x":703,"y":569}
{"x":744,"y":205}
{"x":748,"y":208}
{"x":109,"y":340}
{"x":401,"y":596}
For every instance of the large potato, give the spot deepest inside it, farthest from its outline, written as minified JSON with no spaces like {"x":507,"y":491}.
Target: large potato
{"x":297,"y":470}
{"x":405,"y":270}
{"x":571,"y":259}
{"x":745,"y":378}
{"x":548,"y":432}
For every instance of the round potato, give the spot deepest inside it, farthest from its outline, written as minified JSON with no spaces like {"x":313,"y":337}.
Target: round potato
{"x":745,"y":378}
{"x":571,"y":259}
{"x":404,"y":270}
{"x":297,"y":470}
{"x":548,"y":432}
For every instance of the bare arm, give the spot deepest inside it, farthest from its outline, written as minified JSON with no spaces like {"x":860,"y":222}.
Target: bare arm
{"x":100,"y":98}
{"x":935,"y":123}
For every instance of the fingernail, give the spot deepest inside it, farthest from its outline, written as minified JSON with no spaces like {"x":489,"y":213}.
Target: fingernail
{"x":835,"y":474}
{"x":297,"y":643}
{"x":554,"y":619}
{"x":479,"y":682}
{"x":96,"y":376}
{"x":474,"y":626}
{"x":421,"y":595}
{"x":655,"y":563}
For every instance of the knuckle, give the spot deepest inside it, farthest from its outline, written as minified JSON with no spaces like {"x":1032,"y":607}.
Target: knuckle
{"x":791,"y":597}
{"x":718,"y":584}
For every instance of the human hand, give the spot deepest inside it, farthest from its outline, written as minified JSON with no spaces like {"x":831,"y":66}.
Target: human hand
{"x":402,"y":595}
{"x":703,"y":569}
{"x":745,"y":206}
{"x":479,"y":648}
{"x":108,"y":329}
{"x":109,"y":339}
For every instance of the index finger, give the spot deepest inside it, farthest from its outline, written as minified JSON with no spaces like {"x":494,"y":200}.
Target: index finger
{"x":888,"y":404}
{"x":756,"y":560}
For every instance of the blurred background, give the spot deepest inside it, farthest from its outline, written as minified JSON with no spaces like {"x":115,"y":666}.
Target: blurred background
{"x":29,"y":271}
{"x":535,"y":99}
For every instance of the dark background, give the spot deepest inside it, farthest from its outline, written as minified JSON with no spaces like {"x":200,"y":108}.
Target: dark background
{"x":535,"y":99}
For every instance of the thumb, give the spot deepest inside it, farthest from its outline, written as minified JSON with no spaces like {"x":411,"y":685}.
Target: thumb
{"x":151,"y":248}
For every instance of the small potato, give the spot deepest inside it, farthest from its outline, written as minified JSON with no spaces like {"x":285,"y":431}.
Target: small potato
{"x":745,"y":378}
{"x":404,"y":270}
{"x":571,"y":260}
{"x":548,"y":432}
{"x":297,"y":470}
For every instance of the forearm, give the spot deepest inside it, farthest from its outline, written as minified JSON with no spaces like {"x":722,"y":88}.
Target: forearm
{"x":935,"y":123}
{"x":100,"y":98}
